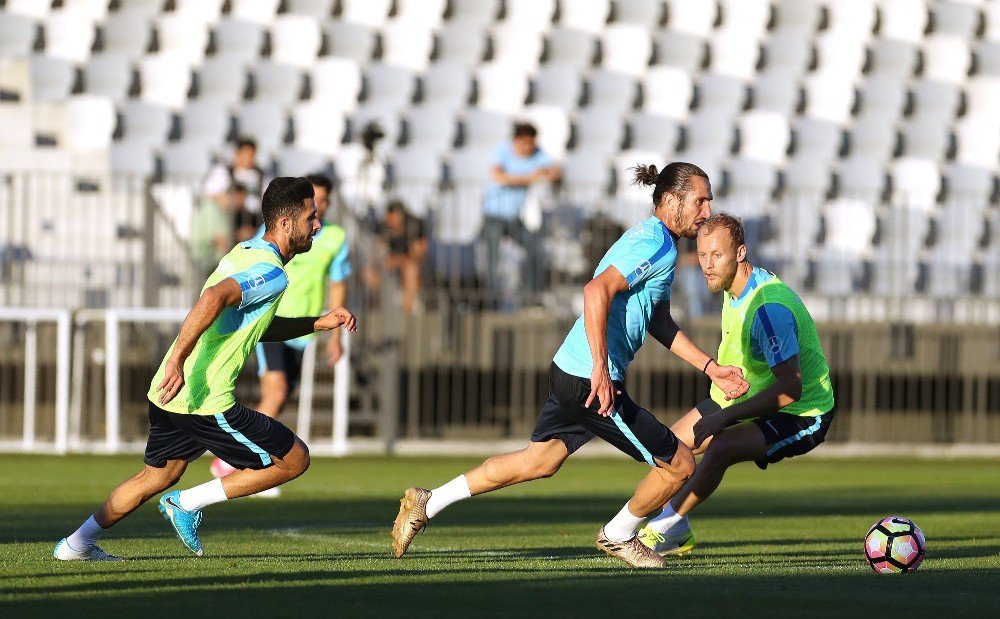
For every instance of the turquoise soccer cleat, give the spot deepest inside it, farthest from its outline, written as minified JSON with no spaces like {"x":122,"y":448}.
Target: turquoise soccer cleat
{"x":185,"y":523}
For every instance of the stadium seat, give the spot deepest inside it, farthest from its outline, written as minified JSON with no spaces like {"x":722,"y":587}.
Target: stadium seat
{"x":764,"y":136}
{"x":796,"y":218}
{"x":461,"y":44}
{"x":481,"y":13}
{"x":185,"y":162}
{"x":559,"y":85}
{"x":977,"y":140}
{"x":183,"y":37}
{"x":445,"y":85}
{"x":787,"y":53}
{"x":816,"y":139}
{"x":873,"y":137}
{"x":710,"y":135}
{"x":695,"y":18}
{"x":926,"y":137}
{"x":126,"y":33}
{"x":69,"y":35}
{"x":862,"y":179}
{"x":51,"y":79}
{"x":318,"y":128}
{"x":933,"y":99}
{"x":406,"y":46}
{"x":239,"y":39}
{"x":420,"y":14}
{"x":17,"y":34}
{"x":745,"y":18}
{"x":598,"y":132}
{"x":959,"y":18}
{"x":389,"y":86}
{"x":222,"y":79}
{"x":733,"y":56}
{"x":903,"y":20}
{"x":354,"y":41}
{"x":584,"y":15}
{"x":839,"y":59}
{"x":884,"y":99}
{"x":205,"y":122}
{"x":336,"y":82}
{"x":607,"y":90}
{"x":961,"y":223}
{"x":653,"y":132}
{"x":165,"y":80}
{"x":265,"y":122}
{"x":28,"y":8}
{"x":775,"y":92}
{"x":259,"y":11}
{"x":553,"y":128}
{"x":529,"y":15}
{"x":947,"y":59}
{"x":827,"y":99}
{"x":203,"y":12}
{"x":145,"y":124}
{"x":416,"y":178}
{"x":386,"y":116}
{"x":371,"y":13}
{"x":295,"y":40}
{"x":108,"y":75}
{"x":318,"y":9}
{"x":586,"y":179}
{"x":798,"y":16}
{"x":626,"y":48}
{"x":90,"y":121}
{"x":982,"y":95}
{"x":516,"y":48}
{"x":295,"y":162}
{"x":570,"y":48}
{"x":431,"y":128}
{"x":893,"y":60}
{"x":276,"y":83}
{"x":501,"y":88}
{"x":460,"y":217}
{"x":132,"y":159}
{"x":850,"y":228}
{"x":484,"y":129}
{"x":679,"y":49}
{"x":851,"y":19}
{"x":719,"y":94}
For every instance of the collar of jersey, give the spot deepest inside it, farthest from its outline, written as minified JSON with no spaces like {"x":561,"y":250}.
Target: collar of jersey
{"x":262,"y":244}
{"x":659,"y":221}
{"x":757,"y":277}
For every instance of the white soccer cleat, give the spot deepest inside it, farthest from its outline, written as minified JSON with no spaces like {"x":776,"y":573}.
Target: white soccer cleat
{"x":64,"y":552}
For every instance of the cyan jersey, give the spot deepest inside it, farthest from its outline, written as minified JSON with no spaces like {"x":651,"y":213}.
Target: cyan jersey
{"x":645,"y":255}
{"x":774,"y":336}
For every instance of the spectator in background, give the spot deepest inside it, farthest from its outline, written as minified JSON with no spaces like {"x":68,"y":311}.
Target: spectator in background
{"x":243,"y":170}
{"x":402,"y":248}
{"x":212,"y":229}
{"x":517,"y":166}
{"x":245,"y":223}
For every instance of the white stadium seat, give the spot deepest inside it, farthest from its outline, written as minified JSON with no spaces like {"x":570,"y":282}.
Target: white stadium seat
{"x":206,"y":122}
{"x":69,"y":35}
{"x":182,"y":37}
{"x":690,"y":17}
{"x":679,"y":49}
{"x":626,"y":48}
{"x":319,"y":9}
{"x":599,"y":132}
{"x":903,"y":20}
{"x":501,"y":88}
{"x":90,"y":121}
{"x":108,"y":75}
{"x":461,"y":44}
{"x":407,"y":46}
{"x":276,"y":83}
{"x":530,"y":15}
{"x":165,"y":80}
{"x":764,"y":136}
{"x":51,"y":79}
{"x":265,"y":122}
{"x":318,"y":129}
{"x":371,"y":13}
{"x":420,"y":14}
{"x":222,"y":79}
{"x":260,"y":11}
{"x":553,"y":128}
{"x":432,"y":128}
{"x":354,"y":41}
{"x":947,"y":58}
{"x":390,"y":86}
{"x":145,"y":124}
{"x":295,"y":40}
{"x":611,"y":91}
{"x":559,"y":85}
{"x":336,"y":82}
{"x":653,"y":132}
{"x":585,"y":15}
{"x":446,"y":85}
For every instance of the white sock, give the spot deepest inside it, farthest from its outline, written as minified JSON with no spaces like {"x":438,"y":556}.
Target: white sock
{"x":86,"y":536}
{"x":453,"y":491}
{"x":202,"y":496}
{"x":666,"y":519}
{"x":623,"y":526}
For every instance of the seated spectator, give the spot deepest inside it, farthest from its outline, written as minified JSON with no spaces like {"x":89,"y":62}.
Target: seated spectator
{"x":517,"y":166}
{"x":243,"y":170}
{"x":401,"y":250}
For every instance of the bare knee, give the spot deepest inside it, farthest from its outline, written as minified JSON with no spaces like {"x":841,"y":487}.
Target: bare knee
{"x":297,"y":460}
{"x":157,"y":480}
{"x":544,"y":462}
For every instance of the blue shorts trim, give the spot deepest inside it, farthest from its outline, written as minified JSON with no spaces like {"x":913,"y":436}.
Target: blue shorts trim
{"x":791,"y":439}
{"x":265,"y":458}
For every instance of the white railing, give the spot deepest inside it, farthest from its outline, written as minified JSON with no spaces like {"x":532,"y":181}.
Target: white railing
{"x":71,"y":370}
{"x":30,"y":318}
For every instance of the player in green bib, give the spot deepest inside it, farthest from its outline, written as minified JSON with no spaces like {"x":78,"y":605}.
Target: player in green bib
{"x":768,"y":332}
{"x":191,"y":405}
{"x":316,"y":279}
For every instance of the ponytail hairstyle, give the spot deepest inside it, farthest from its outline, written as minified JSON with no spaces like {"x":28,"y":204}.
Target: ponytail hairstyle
{"x":674,"y":179}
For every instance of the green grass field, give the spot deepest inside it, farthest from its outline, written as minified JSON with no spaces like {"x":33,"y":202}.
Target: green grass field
{"x":781,"y":543}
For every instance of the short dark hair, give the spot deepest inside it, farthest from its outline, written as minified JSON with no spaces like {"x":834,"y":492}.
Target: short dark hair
{"x":321,"y":180}
{"x":525,"y":130}
{"x":245,"y":141}
{"x":285,"y":196}
{"x":729,"y":222}
{"x":675,"y":179}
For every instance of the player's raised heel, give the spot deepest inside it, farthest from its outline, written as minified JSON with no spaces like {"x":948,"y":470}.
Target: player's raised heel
{"x":668,"y":544}
{"x":64,"y":552}
{"x":410,"y":520}
{"x":185,"y":523}
{"x":632,"y":552}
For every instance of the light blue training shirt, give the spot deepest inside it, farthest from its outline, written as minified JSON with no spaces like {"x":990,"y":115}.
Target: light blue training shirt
{"x":645,"y":255}
{"x":505,"y":201}
{"x":774,"y":336}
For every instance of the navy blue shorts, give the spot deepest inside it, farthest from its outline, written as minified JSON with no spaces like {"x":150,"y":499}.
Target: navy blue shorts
{"x":280,"y":357}
{"x":786,"y":435}
{"x":631,"y":428}
{"x":241,"y":436}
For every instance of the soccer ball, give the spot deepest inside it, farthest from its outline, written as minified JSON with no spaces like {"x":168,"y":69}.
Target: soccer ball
{"x":894,"y":544}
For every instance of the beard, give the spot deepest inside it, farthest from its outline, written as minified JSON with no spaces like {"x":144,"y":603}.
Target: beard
{"x":720,"y":283}
{"x":302,"y":244}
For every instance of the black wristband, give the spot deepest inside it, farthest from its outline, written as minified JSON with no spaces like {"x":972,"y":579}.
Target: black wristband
{"x":706,"y":365}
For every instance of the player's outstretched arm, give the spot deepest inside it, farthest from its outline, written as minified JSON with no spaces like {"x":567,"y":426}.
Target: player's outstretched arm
{"x":597,"y":296}
{"x":211,"y":303}
{"x":282,"y":328}
{"x":787,"y":389}
{"x":664,"y":330}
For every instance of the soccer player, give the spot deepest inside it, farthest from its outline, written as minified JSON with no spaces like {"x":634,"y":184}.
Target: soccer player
{"x":191,"y":404}
{"x":628,"y":297}
{"x":315,"y":277}
{"x":768,"y":333}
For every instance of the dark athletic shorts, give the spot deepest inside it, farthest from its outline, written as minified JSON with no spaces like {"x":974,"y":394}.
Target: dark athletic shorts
{"x":786,"y":435}
{"x":631,"y":428}
{"x":280,"y":357}
{"x":241,"y":436}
